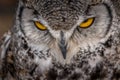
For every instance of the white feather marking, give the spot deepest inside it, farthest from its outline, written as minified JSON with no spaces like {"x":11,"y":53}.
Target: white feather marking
{"x":95,"y":60}
{"x":43,"y":64}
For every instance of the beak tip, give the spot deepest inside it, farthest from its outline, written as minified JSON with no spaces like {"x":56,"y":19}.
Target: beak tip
{"x":64,"y":56}
{"x":63,"y":50}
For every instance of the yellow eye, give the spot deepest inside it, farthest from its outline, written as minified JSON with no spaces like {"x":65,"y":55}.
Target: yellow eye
{"x":87,"y":23}
{"x":40,"y":26}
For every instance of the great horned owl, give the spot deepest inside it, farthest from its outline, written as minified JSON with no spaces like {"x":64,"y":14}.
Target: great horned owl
{"x":63,"y":40}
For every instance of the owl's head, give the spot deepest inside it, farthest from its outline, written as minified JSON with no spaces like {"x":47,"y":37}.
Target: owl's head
{"x":65,"y":26}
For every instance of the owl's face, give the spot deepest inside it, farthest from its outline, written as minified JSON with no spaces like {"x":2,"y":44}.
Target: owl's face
{"x":66,"y":26}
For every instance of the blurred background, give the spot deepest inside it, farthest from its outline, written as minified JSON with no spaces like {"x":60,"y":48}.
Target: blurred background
{"x":7,"y":14}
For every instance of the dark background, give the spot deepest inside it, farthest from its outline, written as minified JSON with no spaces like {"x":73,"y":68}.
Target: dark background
{"x":7,"y":14}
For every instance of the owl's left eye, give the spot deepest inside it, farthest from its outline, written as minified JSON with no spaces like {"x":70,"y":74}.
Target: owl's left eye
{"x":40,"y":26}
{"x":87,"y":23}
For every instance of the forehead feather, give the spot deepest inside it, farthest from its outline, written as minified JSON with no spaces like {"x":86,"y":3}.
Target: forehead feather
{"x":60,"y":13}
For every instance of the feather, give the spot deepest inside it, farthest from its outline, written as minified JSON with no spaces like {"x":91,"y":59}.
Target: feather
{"x":4,"y":45}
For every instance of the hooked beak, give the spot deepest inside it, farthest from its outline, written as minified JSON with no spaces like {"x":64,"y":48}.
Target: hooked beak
{"x":63,"y":46}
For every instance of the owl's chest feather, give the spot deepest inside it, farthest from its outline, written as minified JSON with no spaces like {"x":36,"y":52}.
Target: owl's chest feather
{"x":27,"y":63}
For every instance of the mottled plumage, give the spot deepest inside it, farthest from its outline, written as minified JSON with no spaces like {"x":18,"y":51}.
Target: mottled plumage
{"x":62,"y":50}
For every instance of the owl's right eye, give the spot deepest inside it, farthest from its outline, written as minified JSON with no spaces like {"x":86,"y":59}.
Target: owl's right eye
{"x":87,"y":23}
{"x":40,"y":26}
